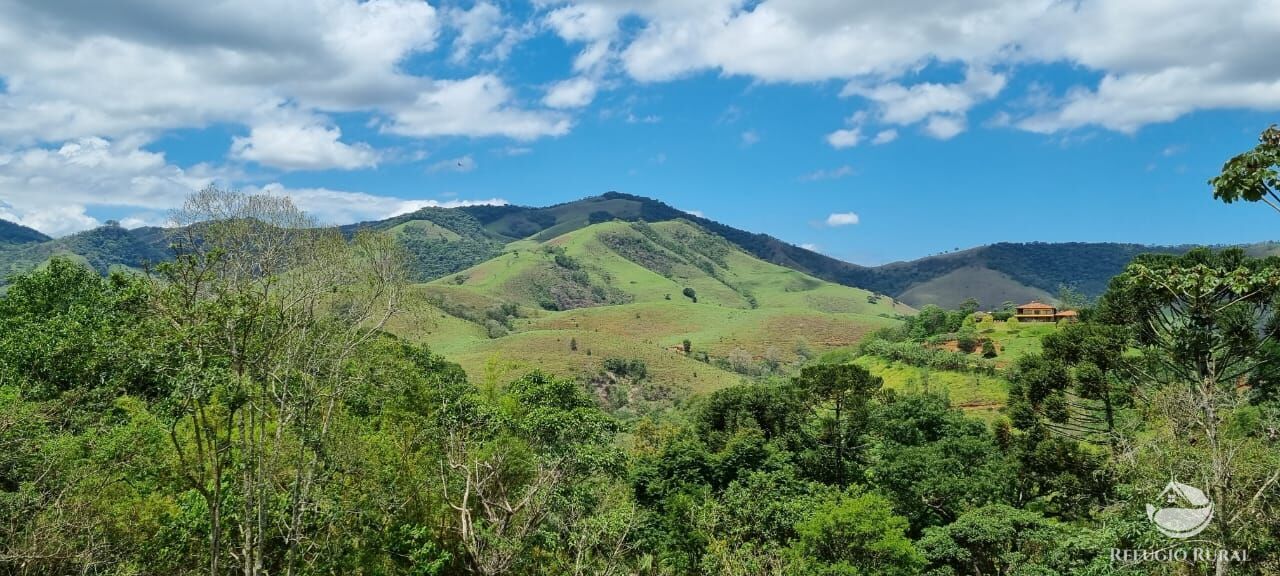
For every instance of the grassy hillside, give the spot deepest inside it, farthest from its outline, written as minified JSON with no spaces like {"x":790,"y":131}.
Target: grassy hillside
{"x":981,"y":392}
{"x":618,"y":289}
{"x":988,"y":286}
{"x":993,"y":273}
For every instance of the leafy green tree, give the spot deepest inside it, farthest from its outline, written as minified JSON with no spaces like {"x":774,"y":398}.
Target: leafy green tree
{"x":931,"y":320}
{"x":1070,"y":298}
{"x":845,"y":390}
{"x":515,"y":471}
{"x":65,"y":329}
{"x":1203,"y":320}
{"x":266,"y":310}
{"x":933,"y":462}
{"x":994,"y":539}
{"x":1252,"y":176}
{"x":751,"y":525}
{"x":854,"y":534}
{"x":1100,"y":374}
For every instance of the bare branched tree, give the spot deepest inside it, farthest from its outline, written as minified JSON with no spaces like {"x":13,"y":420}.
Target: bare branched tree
{"x":269,"y":307}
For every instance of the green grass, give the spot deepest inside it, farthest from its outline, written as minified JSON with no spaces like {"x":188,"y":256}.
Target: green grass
{"x":742,"y":303}
{"x":1015,"y":340}
{"x":977,"y":394}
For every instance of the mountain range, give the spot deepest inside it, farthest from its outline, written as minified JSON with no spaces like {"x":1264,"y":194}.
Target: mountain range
{"x":443,"y":241}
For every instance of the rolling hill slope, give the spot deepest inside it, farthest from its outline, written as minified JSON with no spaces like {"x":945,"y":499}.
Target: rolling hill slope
{"x":618,"y":289}
{"x":1030,"y":270}
{"x":101,"y":248}
{"x":442,"y":242}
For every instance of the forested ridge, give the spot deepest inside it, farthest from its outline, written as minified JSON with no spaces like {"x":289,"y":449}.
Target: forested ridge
{"x":477,"y":233}
{"x":241,"y":409}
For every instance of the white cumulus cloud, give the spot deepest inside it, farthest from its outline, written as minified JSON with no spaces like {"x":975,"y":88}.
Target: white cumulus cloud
{"x":302,"y":144}
{"x":845,"y":138}
{"x":571,"y":93}
{"x":885,"y":137}
{"x":838,"y":219}
{"x":343,"y":207}
{"x":477,"y":106}
{"x":1158,"y":60}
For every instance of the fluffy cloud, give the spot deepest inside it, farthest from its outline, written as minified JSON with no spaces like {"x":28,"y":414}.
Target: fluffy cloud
{"x":1158,"y":60}
{"x":571,"y":93}
{"x":941,"y":106}
{"x":341,"y":207}
{"x":750,"y":138}
{"x":838,"y":219}
{"x":845,"y":138}
{"x":885,"y":137}
{"x":302,"y":144}
{"x":944,"y":127}
{"x":476,"y":106}
{"x":481,"y":24}
{"x":109,"y":70}
{"x":50,"y":189}
{"x":52,"y":220}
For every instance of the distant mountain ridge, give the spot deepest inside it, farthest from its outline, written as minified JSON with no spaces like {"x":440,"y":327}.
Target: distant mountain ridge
{"x":444,"y":241}
{"x":102,"y":248}
{"x":15,"y":234}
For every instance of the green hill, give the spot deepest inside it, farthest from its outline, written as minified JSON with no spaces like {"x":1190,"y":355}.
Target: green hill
{"x":992,"y":273}
{"x":638,"y":290}
{"x":102,"y":248}
{"x":439,"y":241}
{"x":444,"y":241}
{"x":986,"y":285}
{"x":12,"y":234}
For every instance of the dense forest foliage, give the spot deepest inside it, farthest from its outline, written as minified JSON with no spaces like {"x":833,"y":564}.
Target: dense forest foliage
{"x":432,"y":256}
{"x":101,"y":248}
{"x":240,"y":410}
{"x":12,"y":234}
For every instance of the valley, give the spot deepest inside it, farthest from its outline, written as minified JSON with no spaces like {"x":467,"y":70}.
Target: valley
{"x":572,"y":287}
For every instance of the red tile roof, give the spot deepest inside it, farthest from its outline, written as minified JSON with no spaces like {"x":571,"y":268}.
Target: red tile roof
{"x":1035,"y":306}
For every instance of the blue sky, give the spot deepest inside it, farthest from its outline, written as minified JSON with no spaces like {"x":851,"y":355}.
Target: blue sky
{"x":873,"y":133}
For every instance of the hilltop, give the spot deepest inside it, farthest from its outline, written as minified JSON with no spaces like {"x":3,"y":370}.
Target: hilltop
{"x":102,"y":249}
{"x":15,"y":234}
